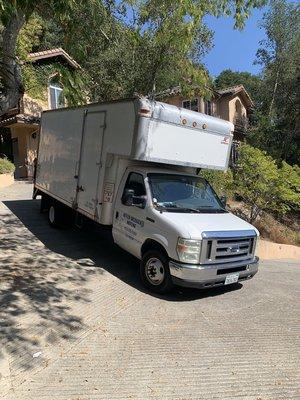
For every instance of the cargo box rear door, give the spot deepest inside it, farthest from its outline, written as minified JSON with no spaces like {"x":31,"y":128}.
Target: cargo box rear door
{"x":90,"y":162}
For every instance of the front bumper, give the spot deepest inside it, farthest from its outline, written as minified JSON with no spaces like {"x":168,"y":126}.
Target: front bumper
{"x":210,"y":275}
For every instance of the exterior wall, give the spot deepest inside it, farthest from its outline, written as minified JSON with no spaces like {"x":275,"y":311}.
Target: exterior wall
{"x":177,"y":101}
{"x":6,"y":180}
{"x":233,"y":114}
{"x":25,"y":151}
{"x":33,"y":106}
{"x":223,"y":109}
{"x":228,"y":107}
{"x":26,"y":148}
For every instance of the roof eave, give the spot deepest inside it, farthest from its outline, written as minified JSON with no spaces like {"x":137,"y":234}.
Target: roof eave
{"x":58,"y":52}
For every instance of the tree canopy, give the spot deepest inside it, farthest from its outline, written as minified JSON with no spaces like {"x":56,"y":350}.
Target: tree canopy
{"x":279,"y":56}
{"x":130,"y":46}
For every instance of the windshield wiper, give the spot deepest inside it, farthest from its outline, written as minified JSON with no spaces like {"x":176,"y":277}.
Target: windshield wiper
{"x":212,"y":210}
{"x":176,"y":207}
{"x":189,"y":209}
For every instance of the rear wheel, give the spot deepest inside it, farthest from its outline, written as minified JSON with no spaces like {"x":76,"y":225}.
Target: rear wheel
{"x":55,"y":215}
{"x":155,"y":272}
{"x":44,"y":204}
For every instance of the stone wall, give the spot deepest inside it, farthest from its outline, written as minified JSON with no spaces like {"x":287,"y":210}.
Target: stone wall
{"x":6,"y":180}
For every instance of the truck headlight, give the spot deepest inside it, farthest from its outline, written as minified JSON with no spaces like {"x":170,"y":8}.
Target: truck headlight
{"x":188,"y":250}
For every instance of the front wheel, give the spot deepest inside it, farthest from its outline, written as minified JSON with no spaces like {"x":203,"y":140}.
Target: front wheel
{"x":155,"y":272}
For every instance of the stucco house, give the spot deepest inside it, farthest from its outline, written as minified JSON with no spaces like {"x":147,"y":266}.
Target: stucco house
{"x":233,"y":104}
{"x":19,"y":126}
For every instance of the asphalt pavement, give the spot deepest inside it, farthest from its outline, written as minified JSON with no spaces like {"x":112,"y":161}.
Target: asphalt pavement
{"x":76,"y":324}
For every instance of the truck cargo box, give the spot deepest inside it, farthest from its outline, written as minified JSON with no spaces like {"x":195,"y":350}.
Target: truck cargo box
{"x":78,"y":146}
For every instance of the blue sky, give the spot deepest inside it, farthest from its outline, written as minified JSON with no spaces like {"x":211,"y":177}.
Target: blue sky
{"x":232,"y":48}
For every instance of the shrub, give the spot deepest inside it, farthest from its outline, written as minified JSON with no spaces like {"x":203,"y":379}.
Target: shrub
{"x":222,"y":182}
{"x":6,"y":166}
{"x":256,"y":180}
{"x":289,"y":188}
{"x":264,"y":186}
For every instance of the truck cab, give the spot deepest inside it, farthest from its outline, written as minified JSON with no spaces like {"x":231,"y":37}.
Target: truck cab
{"x":173,"y":221}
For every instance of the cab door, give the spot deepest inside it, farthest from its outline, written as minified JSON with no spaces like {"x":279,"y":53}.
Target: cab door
{"x":129,"y":221}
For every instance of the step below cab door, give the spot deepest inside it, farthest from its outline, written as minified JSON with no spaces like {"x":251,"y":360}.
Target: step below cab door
{"x":129,"y":222}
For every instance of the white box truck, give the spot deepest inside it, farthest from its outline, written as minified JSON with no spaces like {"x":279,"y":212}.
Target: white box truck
{"x":133,"y":165}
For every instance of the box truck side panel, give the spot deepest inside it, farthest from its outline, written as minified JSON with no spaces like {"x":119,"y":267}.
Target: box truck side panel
{"x":59,"y":149}
{"x":177,"y":144}
{"x":120,"y":124}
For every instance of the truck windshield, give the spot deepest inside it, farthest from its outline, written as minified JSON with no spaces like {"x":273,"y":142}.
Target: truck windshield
{"x":183,"y":193}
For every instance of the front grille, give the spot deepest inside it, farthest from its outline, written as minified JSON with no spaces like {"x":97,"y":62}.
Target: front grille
{"x":227,"y":247}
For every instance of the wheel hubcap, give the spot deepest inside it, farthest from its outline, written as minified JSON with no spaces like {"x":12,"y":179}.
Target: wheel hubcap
{"x":155,"y":271}
{"x":51,"y":214}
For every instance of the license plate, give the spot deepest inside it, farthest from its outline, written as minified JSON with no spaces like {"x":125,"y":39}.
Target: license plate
{"x":232,"y":278}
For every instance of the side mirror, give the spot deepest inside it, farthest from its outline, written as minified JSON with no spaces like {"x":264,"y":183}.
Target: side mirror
{"x":139,"y":201}
{"x":223,"y":200}
{"x":127,"y":198}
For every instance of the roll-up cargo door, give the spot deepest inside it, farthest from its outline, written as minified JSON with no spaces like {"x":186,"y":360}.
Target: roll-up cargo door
{"x":90,"y":161}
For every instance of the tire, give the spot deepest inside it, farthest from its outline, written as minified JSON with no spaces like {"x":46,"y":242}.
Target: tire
{"x":44,"y":205}
{"x":55,"y":215}
{"x":155,"y":272}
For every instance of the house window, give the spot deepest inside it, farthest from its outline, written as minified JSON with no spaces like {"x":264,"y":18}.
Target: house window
{"x":208,"y":107}
{"x":190,"y":104}
{"x":56,"y":97}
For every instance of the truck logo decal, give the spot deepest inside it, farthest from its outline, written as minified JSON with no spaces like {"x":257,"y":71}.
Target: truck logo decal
{"x":108,"y":192}
{"x":132,"y":221}
{"x":233,"y":249}
{"x":225,"y":140}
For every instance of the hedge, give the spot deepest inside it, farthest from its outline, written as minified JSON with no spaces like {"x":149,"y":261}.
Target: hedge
{"x":6,"y":166}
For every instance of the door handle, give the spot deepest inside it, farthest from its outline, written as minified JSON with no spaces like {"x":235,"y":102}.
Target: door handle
{"x":80,"y":189}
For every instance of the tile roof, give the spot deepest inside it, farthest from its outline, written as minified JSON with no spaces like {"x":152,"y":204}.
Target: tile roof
{"x":20,"y":118}
{"x":59,"y":52}
{"x":232,"y":90}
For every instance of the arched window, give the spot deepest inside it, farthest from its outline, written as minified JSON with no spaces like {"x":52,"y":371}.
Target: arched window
{"x":56,"y":98}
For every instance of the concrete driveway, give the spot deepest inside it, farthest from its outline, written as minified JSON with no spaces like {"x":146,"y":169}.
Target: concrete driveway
{"x":75,"y":323}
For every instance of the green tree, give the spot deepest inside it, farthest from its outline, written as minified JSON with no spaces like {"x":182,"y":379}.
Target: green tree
{"x":13,"y":16}
{"x":289,"y":188}
{"x":264,"y":186}
{"x":222,"y":182}
{"x":256,"y":181}
{"x":278,"y":128}
{"x":146,"y":45}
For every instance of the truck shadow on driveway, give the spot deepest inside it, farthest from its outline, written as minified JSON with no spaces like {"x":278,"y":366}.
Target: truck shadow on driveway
{"x":92,"y":246}
{"x":44,"y":276}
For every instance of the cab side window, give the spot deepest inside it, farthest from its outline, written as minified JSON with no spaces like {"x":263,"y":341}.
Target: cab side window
{"x":135,"y":182}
